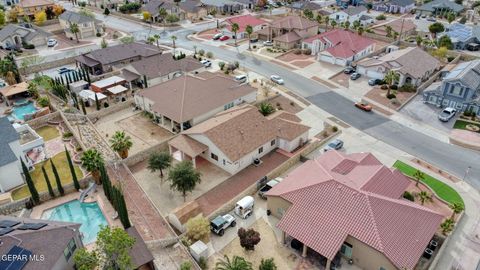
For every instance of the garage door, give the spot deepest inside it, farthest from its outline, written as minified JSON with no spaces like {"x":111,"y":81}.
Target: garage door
{"x":327,"y":58}
{"x":340,"y":62}
{"x":373,"y":74}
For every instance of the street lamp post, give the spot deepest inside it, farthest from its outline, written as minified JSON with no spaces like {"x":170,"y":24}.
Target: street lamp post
{"x":466,"y":173}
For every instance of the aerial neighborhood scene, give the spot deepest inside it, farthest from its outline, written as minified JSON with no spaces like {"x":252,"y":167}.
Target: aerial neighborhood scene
{"x":239,"y":134}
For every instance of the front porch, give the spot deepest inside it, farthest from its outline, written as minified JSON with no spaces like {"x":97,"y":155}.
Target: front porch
{"x":170,"y":124}
{"x":183,"y":147}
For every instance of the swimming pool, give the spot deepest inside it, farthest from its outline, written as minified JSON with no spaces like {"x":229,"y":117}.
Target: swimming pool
{"x":88,"y":214}
{"x":19,"y":112}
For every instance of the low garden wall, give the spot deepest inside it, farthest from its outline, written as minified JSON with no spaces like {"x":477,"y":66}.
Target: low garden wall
{"x":464,"y":143}
{"x":42,"y":121}
{"x":16,"y":206}
{"x":143,"y":155}
{"x":112,"y":109}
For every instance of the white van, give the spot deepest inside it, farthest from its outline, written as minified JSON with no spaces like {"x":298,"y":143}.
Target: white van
{"x":244,"y":207}
{"x":241,"y":78}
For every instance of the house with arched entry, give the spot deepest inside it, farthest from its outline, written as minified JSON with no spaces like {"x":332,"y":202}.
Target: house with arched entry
{"x":413,"y":65}
{"x":15,"y":36}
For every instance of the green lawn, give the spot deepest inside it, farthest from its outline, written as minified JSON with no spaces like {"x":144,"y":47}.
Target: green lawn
{"x":48,"y":132}
{"x":460,"y":124}
{"x":442,"y":190}
{"x":60,"y":161}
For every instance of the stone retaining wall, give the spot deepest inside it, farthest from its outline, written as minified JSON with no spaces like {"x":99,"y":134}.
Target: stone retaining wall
{"x":143,"y":155}
{"x":112,"y":109}
{"x":42,"y":121}
{"x":15,"y":206}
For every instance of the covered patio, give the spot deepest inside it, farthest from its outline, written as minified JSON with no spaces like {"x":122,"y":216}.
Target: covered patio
{"x":88,"y":97}
{"x":117,"y":93}
{"x":11,"y":92}
{"x":185,"y":148}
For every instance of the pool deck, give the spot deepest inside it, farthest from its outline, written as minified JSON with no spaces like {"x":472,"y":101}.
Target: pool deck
{"x":99,"y":197}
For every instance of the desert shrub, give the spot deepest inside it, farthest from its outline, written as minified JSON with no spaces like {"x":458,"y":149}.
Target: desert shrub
{"x":248,"y":238}
{"x":105,"y":105}
{"x":407,"y":88}
{"x":203,"y":263}
{"x":381,"y":17}
{"x":43,"y":101}
{"x":98,"y":34}
{"x":409,"y":196}
{"x":394,"y":87}
{"x":334,"y":128}
{"x":297,"y":52}
{"x":307,"y":51}
{"x":384,"y":87}
{"x":209,"y":54}
{"x":201,"y":52}
{"x":390,"y":96}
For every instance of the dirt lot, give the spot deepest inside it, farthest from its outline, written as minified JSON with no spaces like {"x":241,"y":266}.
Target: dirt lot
{"x":144,"y":133}
{"x":285,"y":104}
{"x":64,"y":42}
{"x":269,"y":247}
{"x":379,"y":96}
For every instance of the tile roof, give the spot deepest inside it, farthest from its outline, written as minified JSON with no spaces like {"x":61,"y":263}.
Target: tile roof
{"x":120,"y":52}
{"x":240,"y":130}
{"x":35,"y":3}
{"x":355,"y":10}
{"x":191,"y":6}
{"x":49,"y":241}
{"x":187,"y":97}
{"x":293,"y":22}
{"x":73,"y":17}
{"x":8,"y":134}
{"x":243,"y":21}
{"x":288,"y":37}
{"x":370,"y":211}
{"x":468,"y":73}
{"x":441,"y":4}
{"x":412,"y":60}
{"x":344,"y":43}
{"x":163,"y":64}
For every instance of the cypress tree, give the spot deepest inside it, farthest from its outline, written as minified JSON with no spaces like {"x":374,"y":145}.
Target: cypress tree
{"x":123,"y":206}
{"x":83,"y":106}
{"x":49,"y":186}
{"x":114,"y":198}
{"x":61,"y":80}
{"x":80,"y":74}
{"x":97,"y":102}
{"x":30,"y":184}
{"x":57,"y":179}
{"x":88,"y":77}
{"x":107,"y":185}
{"x":72,"y":170}
{"x":70,"y":76}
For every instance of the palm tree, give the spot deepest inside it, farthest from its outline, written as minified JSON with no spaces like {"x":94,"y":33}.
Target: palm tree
{"x":419,"y":176}
{"x":121,"y":143}
{"x":389,"y":30}
{"x":327,"y":19}
{"x":159,"y":161}
{"x":424,"y":197}
{"x":333,"y":24}
{"x":173,"y":43}
{"x":447,"y":226}
{"x":183,"y":177}
{"x":156,"y":37}
{"x":266,"y":108}
{"x":457,"y":209}
{"x":235,"y":28}
{"x":236,"y":263}
{"x":162,"y":13}
{"x":319,"y":18}
{"x":390,"y":78}
{"x":419,"y":40}
{"x":360,"y":30}
{"x":249,"y":31}
{"x":92,"y":160}
{"x":75,"y":30}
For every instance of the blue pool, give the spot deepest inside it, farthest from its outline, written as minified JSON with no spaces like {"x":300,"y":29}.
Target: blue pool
{"x":88,"y":214}
{"x":19,"y":111}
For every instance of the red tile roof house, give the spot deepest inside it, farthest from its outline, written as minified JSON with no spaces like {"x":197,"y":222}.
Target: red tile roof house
{"x":352,"y":205}
{"x":243,"y":21}
{"x":339,"y":47}
{"x":233,"y":139}
{"x":186,"y":101}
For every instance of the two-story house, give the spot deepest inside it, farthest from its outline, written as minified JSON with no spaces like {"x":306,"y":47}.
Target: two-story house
{"x":351,"y":14}
{"x":30,"y":7}
{"x":19,"y":142}
{"x":188,"y":100}
{"x":460,"y":88}
{"x":153,"y":7}
{"x":288,"y":32}
{"x":394,"y":6}
{"x":87,"y":26}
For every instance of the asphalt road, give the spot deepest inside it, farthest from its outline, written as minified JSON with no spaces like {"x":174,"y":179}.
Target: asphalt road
{"x":449,"y":157}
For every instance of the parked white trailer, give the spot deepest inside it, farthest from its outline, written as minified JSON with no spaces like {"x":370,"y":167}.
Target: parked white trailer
{"x":244,"y":207}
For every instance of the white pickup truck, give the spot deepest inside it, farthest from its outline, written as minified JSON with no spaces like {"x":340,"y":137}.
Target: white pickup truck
{"x":220,"y":223}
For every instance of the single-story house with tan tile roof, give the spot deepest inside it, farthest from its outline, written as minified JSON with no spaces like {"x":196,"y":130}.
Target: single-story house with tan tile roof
{"x":413,"y":64}
{"x":188,"y":100}
{"x":233,"y":139}
{"x":351,"y":206}
{"x":160,"y":68}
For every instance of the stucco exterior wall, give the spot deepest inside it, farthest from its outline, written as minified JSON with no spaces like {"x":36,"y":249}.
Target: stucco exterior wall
{"x":10,"y":176}
{"x":366,"y":257}
{"x":277,"y":206}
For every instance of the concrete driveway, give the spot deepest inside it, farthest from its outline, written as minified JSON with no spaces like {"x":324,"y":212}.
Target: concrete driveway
{"x":427,"y":114}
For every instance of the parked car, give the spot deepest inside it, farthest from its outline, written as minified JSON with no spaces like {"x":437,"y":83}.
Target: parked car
{"x":254,"y":40}
{"x":268,"y":43}
{"x":374,"y":82}
{"x":447,"y":114}
{"x":334,"y":145}
{"x":269,"y":185}
{"x":223,"y":38}
{"x":51,"y":42}
{"x":355,"y":76}
{"x":209,"y":17}
{"x":277,"y":79}
{"x":64,"y":70}
{"x":206,"y":63}
{"x":240,"y":78}
{"x":219,"y":224}
{"x":349,"y":70}
{"x":431,"y":19}
{"x":217,"y":36}
{"x":363,"y":106}
{"x":244,"y":207}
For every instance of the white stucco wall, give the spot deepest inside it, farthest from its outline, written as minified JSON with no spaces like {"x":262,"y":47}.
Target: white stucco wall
{"x":10,"y":176}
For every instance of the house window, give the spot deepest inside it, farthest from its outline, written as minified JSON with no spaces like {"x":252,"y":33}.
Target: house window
{"x":224,"y":162}
{"x":346,"y":250}
{"x":213,"y":156}
{"x":70,"y":249}
{"x":260,"y":150}
{"x":272,"y":143}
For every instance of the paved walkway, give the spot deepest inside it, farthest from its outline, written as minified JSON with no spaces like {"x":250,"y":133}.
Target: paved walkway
{"x":143,"y":214}
{"x":230,"y":188}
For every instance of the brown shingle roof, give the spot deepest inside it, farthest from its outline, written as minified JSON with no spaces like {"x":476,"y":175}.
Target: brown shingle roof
{"x":241,"y":130}
{"x":163,"y":64}
{"x":288,"y":37}
{"x":139,"y":253}
{"x":293,"y":22}
{"x":187,"y":97}
{"x":122,"y":52}
{"x":35,"y":3}
{"x":188,"y":145}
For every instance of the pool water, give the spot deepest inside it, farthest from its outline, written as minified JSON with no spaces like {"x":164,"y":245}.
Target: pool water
{"x":88,"y":214}
{"x":19,"y":111}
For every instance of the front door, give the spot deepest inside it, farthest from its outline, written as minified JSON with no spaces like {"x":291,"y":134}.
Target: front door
{"x":346,"y":250}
